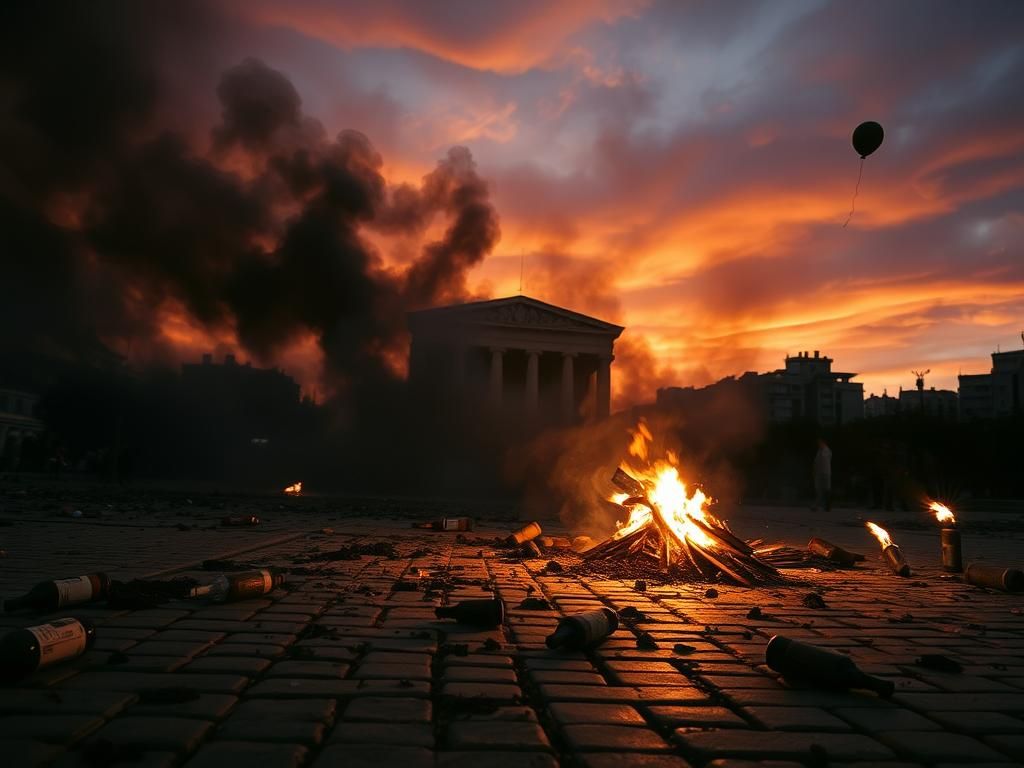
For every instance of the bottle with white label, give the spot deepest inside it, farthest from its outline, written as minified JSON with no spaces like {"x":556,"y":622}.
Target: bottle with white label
{"x":60,"y":593}
{"x":23,"y":651}
{"x":240,"y":586}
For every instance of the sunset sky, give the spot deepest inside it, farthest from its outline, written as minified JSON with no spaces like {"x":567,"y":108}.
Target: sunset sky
{"x":685,"y":168}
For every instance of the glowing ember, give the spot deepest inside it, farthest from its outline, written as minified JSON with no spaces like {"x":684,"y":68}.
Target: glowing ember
{"x":880,"y":533}
{"x":942,"y":513}
{"x":294,"y":490}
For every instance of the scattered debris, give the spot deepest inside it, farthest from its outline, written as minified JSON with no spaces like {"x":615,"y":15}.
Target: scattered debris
{"x":646,"y":642}
{"x":683,"y":649}
{"x":553,"y":566}
{"x":815,"y":601}
{"x":629,"y":613}
{"x":640,"y":585}
{"x":755,"y":613}
{"x":535,"y":604}
{"x":711,"y":593}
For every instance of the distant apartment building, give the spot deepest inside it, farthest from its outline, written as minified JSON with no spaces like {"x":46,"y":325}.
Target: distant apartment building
{"x":807,"y":389}
{"x":996,"y":394}
{"x":17,"y":422}
{"x":940,"y":403}
{"x":876,"y":406}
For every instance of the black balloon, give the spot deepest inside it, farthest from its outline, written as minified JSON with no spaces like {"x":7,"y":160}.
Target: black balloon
{"x":867,"y":137}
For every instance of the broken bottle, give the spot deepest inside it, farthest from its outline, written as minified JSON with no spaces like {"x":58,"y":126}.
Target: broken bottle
{"x":583,"y":630}
{"x":825,"y":669}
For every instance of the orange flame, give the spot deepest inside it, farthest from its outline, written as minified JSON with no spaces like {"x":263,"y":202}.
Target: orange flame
{"x":880,"y":533}
{"x":294,"y":490}
{"x":942,"y":513}
{"x":676,"y":508}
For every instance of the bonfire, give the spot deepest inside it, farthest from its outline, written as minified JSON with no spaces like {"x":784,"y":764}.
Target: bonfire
{"x":669,"y":527}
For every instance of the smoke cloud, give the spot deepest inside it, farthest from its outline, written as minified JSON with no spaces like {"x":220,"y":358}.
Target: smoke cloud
{"x":112,"y":221}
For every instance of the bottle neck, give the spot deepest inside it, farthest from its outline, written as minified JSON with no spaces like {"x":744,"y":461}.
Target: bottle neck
{"x":562,"y":635}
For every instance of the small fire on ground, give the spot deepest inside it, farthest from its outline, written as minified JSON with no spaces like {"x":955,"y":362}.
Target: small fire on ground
{"x":669,"y":526}
{"x":293,"y":490}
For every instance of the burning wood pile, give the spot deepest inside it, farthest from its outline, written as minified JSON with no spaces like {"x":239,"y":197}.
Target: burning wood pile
{"x":669,"y":528}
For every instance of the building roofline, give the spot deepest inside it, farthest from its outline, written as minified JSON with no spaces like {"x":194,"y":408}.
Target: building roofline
{"x":452,"y":309}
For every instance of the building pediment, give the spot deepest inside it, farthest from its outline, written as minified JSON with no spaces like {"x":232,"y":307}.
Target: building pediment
{"x":514,"y":312}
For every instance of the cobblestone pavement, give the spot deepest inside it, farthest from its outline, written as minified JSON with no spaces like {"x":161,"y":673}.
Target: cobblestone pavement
{"x":347,"y":665}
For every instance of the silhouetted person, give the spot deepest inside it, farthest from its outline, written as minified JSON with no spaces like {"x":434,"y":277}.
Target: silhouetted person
{"x":823,"y":477}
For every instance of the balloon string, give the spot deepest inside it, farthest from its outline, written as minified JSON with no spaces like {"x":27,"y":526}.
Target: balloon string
{"x":853,"y":202}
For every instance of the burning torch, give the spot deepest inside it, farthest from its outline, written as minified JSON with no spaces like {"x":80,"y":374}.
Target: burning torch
{"x":890,"y":552}
{"x":952,"y":555}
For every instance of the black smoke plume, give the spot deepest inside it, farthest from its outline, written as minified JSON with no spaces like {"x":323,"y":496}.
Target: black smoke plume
{"x":109,"y":219}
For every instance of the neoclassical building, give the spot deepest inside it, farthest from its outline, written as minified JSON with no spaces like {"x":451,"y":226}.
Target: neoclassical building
{"x":517,"y":357}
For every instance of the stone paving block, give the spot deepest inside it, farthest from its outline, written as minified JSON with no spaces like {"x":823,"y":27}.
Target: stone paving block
{"x":613,"y":738}
{"x":874,"y":720}
{"x":495,"y":735}
{"x":571,"y":712}
{"x":374,"y":756}
{"x":171,"y":734}
{"x":142,"y":681}
{"x":398,"y":710}
{"x":19,"y":752}
{"x":932,"y":746}
{"x":242,"y":754}
{"x":978,"y":722}
{"x":135,"y":758}
{"x":983,"y":702}
{"x":796,"y":719}
{"x":143,"y":663}
{"x":496,"y":760}
{"x":315,"y":669}
{"x":240,"y":665}
{"x":397,"y":734}
{"x":483,"y":691}
{"x":205,"y":706}
{"x":17,"y":701}
{"x":263,"y":650}
{"x":1010,"y":744}
{"x":635,"y":760}
{"x":50,"y":729}
{"x":298,"y":687}
{"x":478,"y":660}
{"x":306,"y":710}
{"x":479,"y":675}
{"x":696,"y":717}
{"x":763,"y":745}
{"x":566,"y":677}
{"x":392,"y":672}
{"x":281,"y":730}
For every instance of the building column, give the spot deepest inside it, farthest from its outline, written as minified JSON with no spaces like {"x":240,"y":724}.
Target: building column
{"x":604,"y":385}
{"x":497,"y":376}
{"x":568,"y":388}
{"x":532,"y":382}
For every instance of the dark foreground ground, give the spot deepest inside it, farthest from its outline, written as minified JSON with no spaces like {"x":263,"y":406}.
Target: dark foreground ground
{"x":348,"y":666}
